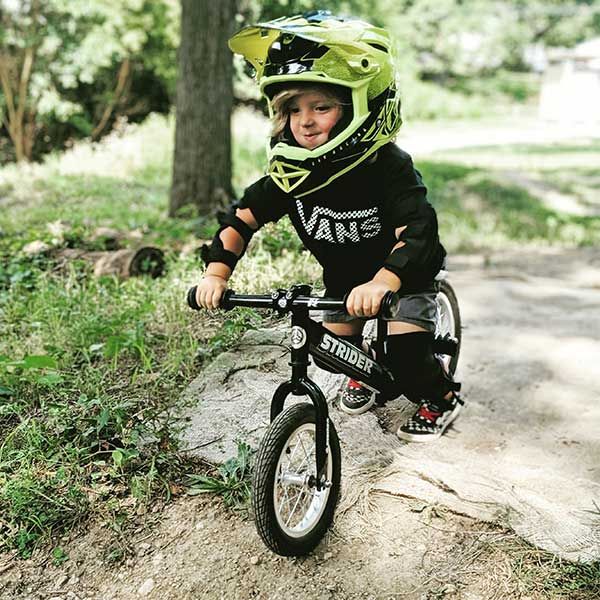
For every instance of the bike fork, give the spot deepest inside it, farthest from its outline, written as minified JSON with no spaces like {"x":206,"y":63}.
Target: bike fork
{"x":301,"y":385}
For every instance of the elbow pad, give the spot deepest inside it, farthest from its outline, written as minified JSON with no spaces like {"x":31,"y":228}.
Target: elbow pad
{"x":422,"y":255}
{"x":216,"y":252}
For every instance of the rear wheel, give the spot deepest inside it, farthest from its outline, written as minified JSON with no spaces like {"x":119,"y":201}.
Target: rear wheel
{"x":448,"y":322}
{"x":291,"y":514}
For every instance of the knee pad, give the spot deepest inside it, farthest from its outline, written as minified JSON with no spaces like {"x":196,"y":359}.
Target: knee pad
{"x":355,"y":340}
{"x":417,"y":371}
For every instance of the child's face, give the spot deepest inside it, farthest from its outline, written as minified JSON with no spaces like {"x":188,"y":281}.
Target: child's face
{"x":312,"y":116}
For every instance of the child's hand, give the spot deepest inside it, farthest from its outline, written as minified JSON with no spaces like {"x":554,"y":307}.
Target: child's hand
{"x":365,"y":300}
{"x":210,"y":291}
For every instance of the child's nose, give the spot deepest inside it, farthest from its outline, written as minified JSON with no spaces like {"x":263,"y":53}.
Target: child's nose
{"x":306,"y":119}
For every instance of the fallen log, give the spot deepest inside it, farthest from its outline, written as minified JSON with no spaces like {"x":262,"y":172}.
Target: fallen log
{"x":146,"y":260}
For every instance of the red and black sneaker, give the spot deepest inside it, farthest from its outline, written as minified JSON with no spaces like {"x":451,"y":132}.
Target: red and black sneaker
{"x":431,"y":420}
{"x":355,"y":398}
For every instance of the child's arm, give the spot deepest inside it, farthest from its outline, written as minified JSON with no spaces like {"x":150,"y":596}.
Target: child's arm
{"x":214,"y":283}
{"x":365,"y":300}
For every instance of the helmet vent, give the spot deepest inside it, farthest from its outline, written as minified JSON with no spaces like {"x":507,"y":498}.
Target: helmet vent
{"x":379,"y":47}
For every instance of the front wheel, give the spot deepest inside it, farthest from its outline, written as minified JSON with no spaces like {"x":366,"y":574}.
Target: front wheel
{"x":291,"y":514}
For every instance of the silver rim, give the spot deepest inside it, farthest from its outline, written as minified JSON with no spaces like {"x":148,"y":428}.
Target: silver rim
{"x":445,"y":321}
{"x":298,"y":505}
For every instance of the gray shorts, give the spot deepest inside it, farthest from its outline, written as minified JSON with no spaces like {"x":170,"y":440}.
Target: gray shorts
{"x":418,"y":309}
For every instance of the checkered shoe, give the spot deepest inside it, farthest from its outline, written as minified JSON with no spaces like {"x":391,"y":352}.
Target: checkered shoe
{"x":430,"y":420}
{"x":355,"y":398}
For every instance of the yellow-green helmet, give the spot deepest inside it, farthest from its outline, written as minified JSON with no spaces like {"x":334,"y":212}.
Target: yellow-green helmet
{"x":318,"y":47}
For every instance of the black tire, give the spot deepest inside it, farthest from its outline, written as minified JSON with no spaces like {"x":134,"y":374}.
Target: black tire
{"x":447,"y":301}
{"x":296,"y":421}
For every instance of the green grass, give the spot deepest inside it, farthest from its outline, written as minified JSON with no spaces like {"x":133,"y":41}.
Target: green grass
{"x":483,"y":206}
{"x":231,"y":480}
{"x":91,"y":369}
{"x":540,"y":574}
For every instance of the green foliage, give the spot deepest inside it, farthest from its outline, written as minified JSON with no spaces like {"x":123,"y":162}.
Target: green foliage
{"x":455,"y":58}
{"x":91,"y":429}
{"x":478,"y":211}
{"x":36,"y":370}
{"x":554,"y":578}
{"x":281,"y":238}
{"x":232,"y":479}
{"x":230,"y":332}
{"x":59,"y":556}
{"x":79,"y":53}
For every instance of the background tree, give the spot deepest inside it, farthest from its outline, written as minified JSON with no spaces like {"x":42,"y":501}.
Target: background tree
{"x":69,"y":69}
{"x":202,"y":161}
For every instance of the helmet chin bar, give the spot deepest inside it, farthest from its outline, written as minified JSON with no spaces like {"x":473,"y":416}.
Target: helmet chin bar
{"x":311,"y":170}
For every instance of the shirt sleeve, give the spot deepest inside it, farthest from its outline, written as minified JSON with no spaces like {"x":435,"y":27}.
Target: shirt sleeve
{"x":422,"y":255}
{"x":266,"y":201}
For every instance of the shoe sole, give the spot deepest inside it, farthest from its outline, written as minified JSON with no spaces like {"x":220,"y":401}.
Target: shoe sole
{"x":357,"y":411}
{"x":429,"y":437}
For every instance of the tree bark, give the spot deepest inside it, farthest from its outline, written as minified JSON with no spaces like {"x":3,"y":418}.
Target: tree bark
{"x":122,"y":79}
{"x":202,"y":160}
{"x":20,"y":118}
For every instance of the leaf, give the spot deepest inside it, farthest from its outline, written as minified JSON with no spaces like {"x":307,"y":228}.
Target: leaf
{"x":114,"y":344}
{"x":50,"y":379}
{"x":4,"y":391}
{"x":103,"y":419}
{"x":39,"y":362}
{"x":118,"y":457}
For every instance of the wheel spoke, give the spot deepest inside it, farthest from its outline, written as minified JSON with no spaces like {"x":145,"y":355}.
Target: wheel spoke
{"x":287,"y":523}
{"x":292,"y":453}
{"x":303,"y":448}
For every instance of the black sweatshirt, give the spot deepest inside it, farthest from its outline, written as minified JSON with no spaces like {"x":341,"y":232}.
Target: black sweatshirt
{"x":349,"y":224}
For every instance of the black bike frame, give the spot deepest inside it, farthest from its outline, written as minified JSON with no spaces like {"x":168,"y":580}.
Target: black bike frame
{"x":310,"y":337}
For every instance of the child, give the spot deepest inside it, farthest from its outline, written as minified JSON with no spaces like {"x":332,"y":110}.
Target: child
{"x":354,"y":198}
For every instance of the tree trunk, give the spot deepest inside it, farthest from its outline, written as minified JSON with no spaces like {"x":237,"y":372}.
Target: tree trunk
{"x":20,"y":116}
{"x":202,"y":161}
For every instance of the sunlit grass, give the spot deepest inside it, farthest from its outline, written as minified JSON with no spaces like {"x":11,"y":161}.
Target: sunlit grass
{"x":583,"y":153}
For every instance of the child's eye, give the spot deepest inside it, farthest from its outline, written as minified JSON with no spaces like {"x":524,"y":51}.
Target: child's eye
{"x":294,"y":110}
{"x":323,"y":108}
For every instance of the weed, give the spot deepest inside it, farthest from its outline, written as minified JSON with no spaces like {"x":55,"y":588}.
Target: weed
{"x":59,"y":556}
{"x":231,"y":481}
{"x":557,"y":579}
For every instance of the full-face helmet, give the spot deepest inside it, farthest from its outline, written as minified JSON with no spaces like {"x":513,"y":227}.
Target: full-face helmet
{"x":319,"y":48}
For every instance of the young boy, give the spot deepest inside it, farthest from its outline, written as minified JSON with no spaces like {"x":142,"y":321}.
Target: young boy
{"x":354,"y":198}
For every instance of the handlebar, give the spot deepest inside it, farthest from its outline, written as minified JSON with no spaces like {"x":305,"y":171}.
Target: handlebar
{"x":297,"y":297}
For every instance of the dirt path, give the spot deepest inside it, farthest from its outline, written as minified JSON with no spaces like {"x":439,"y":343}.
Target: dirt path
{"x":529,"y":366}
{"x":198,"y":551}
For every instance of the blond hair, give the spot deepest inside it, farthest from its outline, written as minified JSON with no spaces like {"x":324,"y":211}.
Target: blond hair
{"x":282,"y":101}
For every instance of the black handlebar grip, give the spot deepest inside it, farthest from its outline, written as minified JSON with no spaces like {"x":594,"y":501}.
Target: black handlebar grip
{"x":191,"y":298}
{"x":225,"y":303}
{"x":389,"y":304}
